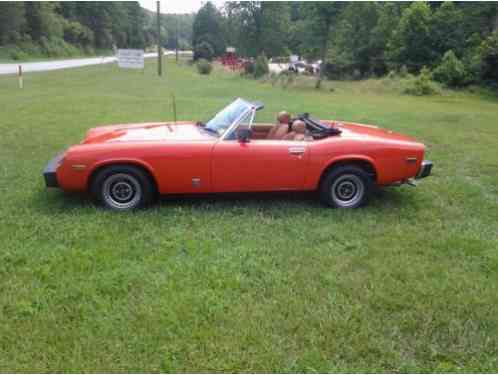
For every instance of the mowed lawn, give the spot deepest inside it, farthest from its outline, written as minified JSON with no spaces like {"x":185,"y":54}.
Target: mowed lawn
{"x":246,"y":283}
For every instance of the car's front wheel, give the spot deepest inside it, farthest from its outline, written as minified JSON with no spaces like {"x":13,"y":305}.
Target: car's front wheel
{"x":346,"y":186}
{"x":123,"y":187}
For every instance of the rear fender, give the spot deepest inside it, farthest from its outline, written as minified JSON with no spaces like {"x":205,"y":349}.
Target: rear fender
{"x":348,"y":159}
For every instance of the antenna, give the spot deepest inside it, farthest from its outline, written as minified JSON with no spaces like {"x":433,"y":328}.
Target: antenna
{"x":173,"y":102}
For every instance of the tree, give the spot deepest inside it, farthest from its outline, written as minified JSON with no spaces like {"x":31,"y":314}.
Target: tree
{"x":135,"y":25}
{"x":322,"y":17}
{"x":258,"y":27}
{"x":389,"y":14}
{"x":446,"y":30}
{"x":207,"y":27}
{"x":12,"y":21}
{"x":411,"y":43}
{"x":353,"y":48}
{"x":43,"y":21}
{"x":275,"y":22}
{"x":451,"y":71}
{"x":488,"y":52}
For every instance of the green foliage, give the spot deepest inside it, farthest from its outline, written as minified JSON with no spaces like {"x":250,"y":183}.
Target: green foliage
{"x":18,"y":54}
{"x":261,"y":66}
{"x":207,"y":28}
{"x":12,"y":22}
{"x":67,"y":28}
{"x":204,"y":66}
{"x":446,"y":31}
{"x":451,"y":71}
{"x":411,"y":41}
{"x":422,"y":84}
{"x":258,"y":27}
{"x":78,"y":34}
{"x":177,"y":27}
{"x":57,"y":47}
{"x":403,"y":71}
{"x":353,"y":50}
{"x":488,"y":53}
{"x":203,"y":50}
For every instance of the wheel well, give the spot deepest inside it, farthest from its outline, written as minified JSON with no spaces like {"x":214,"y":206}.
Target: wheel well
{"x":135,"y":165}
{"x":361,"y":163}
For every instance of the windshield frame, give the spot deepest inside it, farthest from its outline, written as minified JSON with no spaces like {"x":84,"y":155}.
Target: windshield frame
{"x":229,"y":130}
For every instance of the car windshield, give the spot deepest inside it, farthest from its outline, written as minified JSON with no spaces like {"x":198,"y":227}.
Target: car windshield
{"x":226,"y":117}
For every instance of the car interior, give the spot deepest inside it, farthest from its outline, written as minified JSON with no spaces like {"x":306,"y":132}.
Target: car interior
{"x":292,"y":129}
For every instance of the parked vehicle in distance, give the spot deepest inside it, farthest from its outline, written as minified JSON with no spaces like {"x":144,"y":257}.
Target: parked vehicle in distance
{"x":126,"y":166}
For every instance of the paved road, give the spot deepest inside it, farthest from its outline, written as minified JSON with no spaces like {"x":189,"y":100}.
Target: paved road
{"x":62,"y":64}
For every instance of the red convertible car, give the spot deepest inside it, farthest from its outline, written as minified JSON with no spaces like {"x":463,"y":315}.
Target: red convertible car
{"x":127,"y":166}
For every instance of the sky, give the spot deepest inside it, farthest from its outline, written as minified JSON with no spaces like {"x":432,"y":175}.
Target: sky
{"x":177,"y":6}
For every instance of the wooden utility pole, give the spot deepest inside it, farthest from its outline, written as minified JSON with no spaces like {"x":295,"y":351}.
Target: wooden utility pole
{"x":159,"y":52}
{"x":176,"y":40}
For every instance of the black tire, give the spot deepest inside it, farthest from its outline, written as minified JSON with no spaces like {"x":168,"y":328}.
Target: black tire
{"x":123,"y":187}
{"x":346,"y":186}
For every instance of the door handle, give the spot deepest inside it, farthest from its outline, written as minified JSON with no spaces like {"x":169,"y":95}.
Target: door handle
{"x":296,"y":150}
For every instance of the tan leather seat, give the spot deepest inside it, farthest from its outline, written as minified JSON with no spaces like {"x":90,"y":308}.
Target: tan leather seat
{"x":297,"y":132}
{"x":281,"y":128}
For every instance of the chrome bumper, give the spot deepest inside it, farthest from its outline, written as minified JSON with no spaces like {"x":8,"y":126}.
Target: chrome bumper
{"x":425,"y":169}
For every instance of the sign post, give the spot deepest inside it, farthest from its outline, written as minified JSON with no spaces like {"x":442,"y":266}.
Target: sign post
{"x":159,"y":53}
{"x":19,"y":74}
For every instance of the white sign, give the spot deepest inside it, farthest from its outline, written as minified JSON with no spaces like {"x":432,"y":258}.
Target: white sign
{"x":131,"y":58}
{"x":294,"y":58}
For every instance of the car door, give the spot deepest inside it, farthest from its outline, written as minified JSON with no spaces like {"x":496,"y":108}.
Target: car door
{"x":258,"y":165}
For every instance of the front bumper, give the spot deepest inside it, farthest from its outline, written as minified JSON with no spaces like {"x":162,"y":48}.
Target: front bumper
{"x":425,"y":169}
{"x":49,"y":173}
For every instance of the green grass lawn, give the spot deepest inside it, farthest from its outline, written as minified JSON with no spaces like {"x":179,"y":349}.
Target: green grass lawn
{"x":252,"y":282}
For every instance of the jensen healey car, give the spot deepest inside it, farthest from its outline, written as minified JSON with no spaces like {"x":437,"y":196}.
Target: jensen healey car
{"x":127,"y":166}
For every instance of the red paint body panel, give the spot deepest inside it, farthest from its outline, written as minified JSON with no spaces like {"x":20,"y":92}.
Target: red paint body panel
{"x":178,"y":154}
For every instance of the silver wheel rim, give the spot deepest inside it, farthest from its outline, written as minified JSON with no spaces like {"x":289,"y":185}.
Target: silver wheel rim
{"x":122,"y":191}
{"x":347,"y":190}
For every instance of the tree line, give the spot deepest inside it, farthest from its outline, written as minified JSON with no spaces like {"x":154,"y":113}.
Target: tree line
{"x":458,"y":41}
{"x":72,"y":27}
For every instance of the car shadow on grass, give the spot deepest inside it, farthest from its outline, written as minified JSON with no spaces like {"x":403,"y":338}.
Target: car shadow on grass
{"x":56,"y":201}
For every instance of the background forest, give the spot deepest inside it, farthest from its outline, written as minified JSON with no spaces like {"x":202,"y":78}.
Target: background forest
{"x":73,"y":28}
{"x":457,"y":42}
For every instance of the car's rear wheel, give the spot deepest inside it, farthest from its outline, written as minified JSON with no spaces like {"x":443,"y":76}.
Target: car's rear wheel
{"x":346,"y":186}
{"x":123,"y":187}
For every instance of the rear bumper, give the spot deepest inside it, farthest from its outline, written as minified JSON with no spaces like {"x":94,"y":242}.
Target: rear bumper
{"x":425,"y":169}
{"x":50,"y":171}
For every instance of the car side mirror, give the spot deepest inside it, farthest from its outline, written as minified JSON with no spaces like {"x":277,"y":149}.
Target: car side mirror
{"x":244,"y":135}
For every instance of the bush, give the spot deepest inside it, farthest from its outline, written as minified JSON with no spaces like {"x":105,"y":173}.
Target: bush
{"x":18,"y":54}
{"x":261,"y":66}
{"x":392,"y":74}
{"x":451,"y":71}
{"x":203,"y":50}
{"x":422,"y":84}
{"x":204,"y":66}
{"x":403,"y":72}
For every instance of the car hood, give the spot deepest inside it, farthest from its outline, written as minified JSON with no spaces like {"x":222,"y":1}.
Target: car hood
{"x":146,"y":132}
